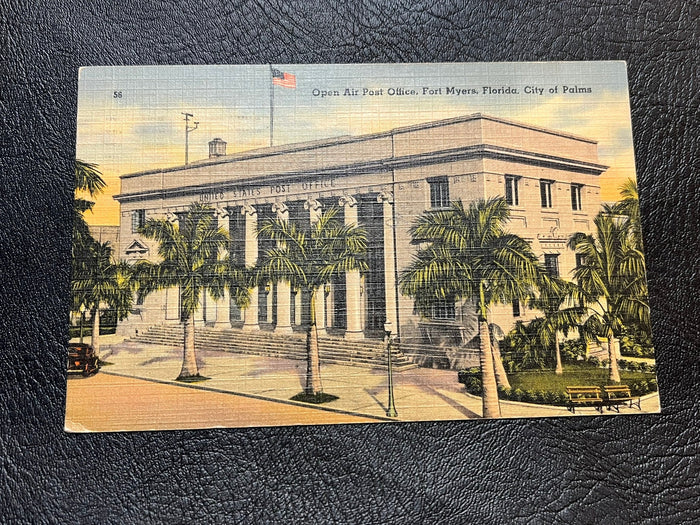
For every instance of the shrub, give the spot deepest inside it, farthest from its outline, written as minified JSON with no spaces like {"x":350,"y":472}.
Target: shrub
{"x":530,"y":396}
{"x":473,"y":386}
{"x":552,"y":398}
{"x":637,"y":343}
{"x":471,"y":378}
{"x":474,"y":371}
{"x":573,"y":351}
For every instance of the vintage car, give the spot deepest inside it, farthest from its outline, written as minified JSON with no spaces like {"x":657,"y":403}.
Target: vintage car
{"x":82,"y":358}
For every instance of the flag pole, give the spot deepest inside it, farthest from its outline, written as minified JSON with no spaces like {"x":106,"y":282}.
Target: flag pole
{"x":272,"y":104}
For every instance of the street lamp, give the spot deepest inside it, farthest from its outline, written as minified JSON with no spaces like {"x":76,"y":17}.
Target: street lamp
{"x":391,"y":408}
{"x":82,"y":320}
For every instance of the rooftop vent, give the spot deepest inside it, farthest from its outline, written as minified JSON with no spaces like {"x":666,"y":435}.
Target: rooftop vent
{"x":217,"y":148}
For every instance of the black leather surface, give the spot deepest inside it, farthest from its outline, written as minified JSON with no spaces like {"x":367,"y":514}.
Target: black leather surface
{"x":590,"y":470}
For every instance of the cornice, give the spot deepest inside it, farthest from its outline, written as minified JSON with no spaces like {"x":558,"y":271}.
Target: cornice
{"x":378,"y":166}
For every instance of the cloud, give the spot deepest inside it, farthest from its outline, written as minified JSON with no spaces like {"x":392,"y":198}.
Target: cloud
{"x":145,"y":128}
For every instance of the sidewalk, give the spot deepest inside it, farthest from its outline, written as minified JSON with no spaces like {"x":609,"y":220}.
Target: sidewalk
{"x":420,"y":394}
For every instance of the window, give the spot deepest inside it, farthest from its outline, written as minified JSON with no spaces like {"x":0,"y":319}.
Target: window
{"x":138,"y":219}
{"x":516,"y":308}
{"x":576,"y":197}
{"x":444,"y":310}
{"x":439,"y":192}
{"x":546,"y":193}
{"x":580,"y":260}
{"x":512,"y":190}
{"x":551,"y":264}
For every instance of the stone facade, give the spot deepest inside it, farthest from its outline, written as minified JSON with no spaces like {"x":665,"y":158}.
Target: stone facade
{"x":382,"y":181}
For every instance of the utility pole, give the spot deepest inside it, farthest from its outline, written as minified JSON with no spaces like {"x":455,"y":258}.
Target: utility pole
{"x":188,"y":130}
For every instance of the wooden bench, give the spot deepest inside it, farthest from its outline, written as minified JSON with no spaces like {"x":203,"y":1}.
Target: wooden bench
{"x":584,"y":396}
{"x":619,"y":395}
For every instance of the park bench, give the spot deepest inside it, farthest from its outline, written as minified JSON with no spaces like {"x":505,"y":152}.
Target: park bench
{"x":619,"y":395}
{"x":584,"y":396}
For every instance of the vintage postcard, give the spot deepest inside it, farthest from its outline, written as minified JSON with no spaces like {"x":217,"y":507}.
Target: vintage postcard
{"x":286,"y":244}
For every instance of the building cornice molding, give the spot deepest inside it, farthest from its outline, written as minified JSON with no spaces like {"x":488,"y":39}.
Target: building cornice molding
{"x":378,"y":166}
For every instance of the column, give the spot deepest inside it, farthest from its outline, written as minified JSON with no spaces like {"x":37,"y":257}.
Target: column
{"x":250,"y":314}
{"x":353,"y":296}
{"x":223,"y":305}
{"x":315,"y":211}
{"x":387,"y":200}
{"x":284,"y":307}
{"x":201,"y":306}
{"x":269,"y":303}
{"x":172,"y":295}
{"x":297,"y":307}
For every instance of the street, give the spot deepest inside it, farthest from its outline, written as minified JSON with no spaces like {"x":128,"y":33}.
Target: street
{"x":110,"y":403}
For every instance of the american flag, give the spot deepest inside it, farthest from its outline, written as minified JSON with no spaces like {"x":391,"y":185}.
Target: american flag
{"x":287,"y":80}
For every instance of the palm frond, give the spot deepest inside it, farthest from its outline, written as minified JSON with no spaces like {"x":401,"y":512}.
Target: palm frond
{"x":311,"y":259}
{"x":88,"y":178}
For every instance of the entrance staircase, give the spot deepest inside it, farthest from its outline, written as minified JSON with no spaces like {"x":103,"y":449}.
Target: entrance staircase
{"x":333,"y":350}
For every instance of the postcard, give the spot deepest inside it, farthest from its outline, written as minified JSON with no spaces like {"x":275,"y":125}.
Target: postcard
{"x":288,"y":244}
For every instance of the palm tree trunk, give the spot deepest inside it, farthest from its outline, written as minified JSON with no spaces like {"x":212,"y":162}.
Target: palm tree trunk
{"x":95,"y":338}
{"x":189,"y":358}
{"x":489,"y":397}
{"x":612,"y":356}
{"x":501,"y":376}
{"x":558,"y":370}
{"x":313,"y":362}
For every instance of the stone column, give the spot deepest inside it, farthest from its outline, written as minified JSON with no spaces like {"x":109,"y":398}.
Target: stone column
{"x":284,"y":306}
{"x":250,"y":314}
{"x":172,"y":295}
{"x":315,"y":211}
{"x":387,"y":200}
{"x":353,"y":298}
{"x":269,"y":303}
{"x":201,"y":307}
{"x":297,"y":308}
{"x":223,"y":305}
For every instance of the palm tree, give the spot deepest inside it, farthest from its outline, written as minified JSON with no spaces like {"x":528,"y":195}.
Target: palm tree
{"x":523,"y":347}
{"x":99,"y":282}
{"x":611,"y":280}
{"x":88,"y":180}
{"x":629,"y":207}
{"x":190,"y":260}
{"x":468,"y":254}
{"x":556,"y":299}
{"x":308,"y":260}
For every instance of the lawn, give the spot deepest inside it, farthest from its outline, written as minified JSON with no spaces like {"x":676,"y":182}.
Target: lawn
{"x":574,"y":375}
{"x":545,"y":387}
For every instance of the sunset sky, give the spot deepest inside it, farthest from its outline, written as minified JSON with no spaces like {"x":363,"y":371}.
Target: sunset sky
{"x":130,"y":118}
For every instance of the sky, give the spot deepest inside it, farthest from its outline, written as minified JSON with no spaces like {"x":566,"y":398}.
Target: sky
{"x":130,"y":118}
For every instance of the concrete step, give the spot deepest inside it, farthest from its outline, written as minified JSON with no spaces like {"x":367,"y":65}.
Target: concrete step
{"x":291,"y":346}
